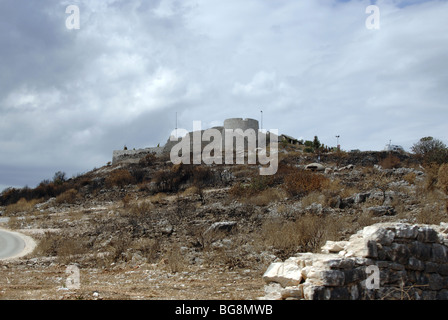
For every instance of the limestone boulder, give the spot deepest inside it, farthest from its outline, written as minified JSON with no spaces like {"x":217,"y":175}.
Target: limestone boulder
{"x":315,"y":167}
{"x":286,"y":273}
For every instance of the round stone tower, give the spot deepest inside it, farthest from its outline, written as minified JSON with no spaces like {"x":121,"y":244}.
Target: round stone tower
{"x":240,"y":123}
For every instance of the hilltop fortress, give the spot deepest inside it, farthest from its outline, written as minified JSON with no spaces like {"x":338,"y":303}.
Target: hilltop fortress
{"x":240,"y":128}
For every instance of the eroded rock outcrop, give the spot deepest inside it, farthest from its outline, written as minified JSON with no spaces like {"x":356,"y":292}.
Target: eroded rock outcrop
{"x":382,"y":261}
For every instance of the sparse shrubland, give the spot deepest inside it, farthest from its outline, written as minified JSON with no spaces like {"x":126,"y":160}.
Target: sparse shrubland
{"x":155,"y":215}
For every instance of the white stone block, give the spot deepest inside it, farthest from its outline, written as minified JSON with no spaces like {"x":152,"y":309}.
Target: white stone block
{"x":286,"y":273}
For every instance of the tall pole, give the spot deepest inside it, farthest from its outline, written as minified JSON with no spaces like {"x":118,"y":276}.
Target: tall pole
{"x":176,"y":124}
{"x":261,"y":119}
{"x":337,"y":137}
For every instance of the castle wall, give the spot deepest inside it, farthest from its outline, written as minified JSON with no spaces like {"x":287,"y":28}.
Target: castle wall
{"x":134,"y":156}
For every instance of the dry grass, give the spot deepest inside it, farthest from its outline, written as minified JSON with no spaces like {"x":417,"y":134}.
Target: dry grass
{"x":307,"y":234}
{"x":126,"y":200}
{"x":431,"y":176}
{"x":14,"y":223}
{"x":193,"y":191}
{"x":314,"y":197}
{"x":62,"y":245}
{"x":442,"y":178}
{"x":432,"y":202}
{"x":174,"y":259}
{"x":266,"y":197}
{"x":21,"y":206}
{"x":364,"y":219}
{"x":139,"y":208}
{"x":158,"y":197}
{"x":410,"y":177}
{"x":148,"y":248}
{"x":68,"y":197}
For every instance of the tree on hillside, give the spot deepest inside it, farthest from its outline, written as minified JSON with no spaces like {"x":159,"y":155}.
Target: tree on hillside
{"x":316,"y":143}
{"x":59,"y":177}
{"x":431,"y":150}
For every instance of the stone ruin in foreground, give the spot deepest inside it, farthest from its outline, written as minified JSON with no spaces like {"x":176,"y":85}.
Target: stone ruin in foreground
{"x":410,"y":260}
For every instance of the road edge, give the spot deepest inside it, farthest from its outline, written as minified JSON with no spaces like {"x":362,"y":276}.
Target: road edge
{"x":30,"y":245}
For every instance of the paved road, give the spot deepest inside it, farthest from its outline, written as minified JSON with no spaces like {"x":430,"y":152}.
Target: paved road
{"x":10,"y":244}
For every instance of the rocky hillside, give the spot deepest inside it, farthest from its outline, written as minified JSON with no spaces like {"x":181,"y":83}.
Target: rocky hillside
{"x":154,"y":230}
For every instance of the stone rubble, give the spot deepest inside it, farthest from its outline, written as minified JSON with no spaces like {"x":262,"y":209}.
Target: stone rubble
{"x":411,"y":262}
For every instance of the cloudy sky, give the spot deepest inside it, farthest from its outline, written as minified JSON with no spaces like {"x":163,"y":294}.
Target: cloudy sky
{"x":69,"y":97}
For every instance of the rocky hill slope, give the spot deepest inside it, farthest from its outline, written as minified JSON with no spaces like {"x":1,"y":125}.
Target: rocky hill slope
{"x":153,"y":230}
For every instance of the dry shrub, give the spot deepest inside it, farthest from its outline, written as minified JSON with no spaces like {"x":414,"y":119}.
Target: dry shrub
{"x":256,"y":185}
{"x":433,"y":205}
{"x":69,"y":248}
{"x":390,"y":162}
{"x":313,"y":197}
{"x":431,"y":214}
{"x":266,"y":197}
{"x":15,"y":223}
{"x":118,"y":247}
{"x":239,"y":190}
{"x":283,"y":209}
{"x":307,"y":234}
{"x":302,"y":182}
{"x":62,"y":246}
{"x":148,"y":248}
{"x":70,"y":196}
{"x":21,"y":206}
{"x":431,"y":176}
{"x":231,"y":258}
{"x":158,"y":197}
{"x":364,"y":219}
{"x":120,"y":178}
{"x":442,"y":179}
{"x":348,"y":191}
{"x":244,"y":171}
{"x":333,"y":190}
{"x":202,"y":176}
{"x":48,"y":244}
{"x":194,"y":191}
{"x":174,"y":259}
{"x":140,"y":208}
{"x":126,"y":200}
{"x":148,"y":160}
{"x":410,"y":177}
{"x":171,"y":180}
{"x":190,"y":191}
